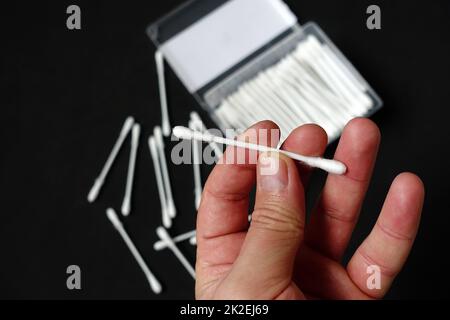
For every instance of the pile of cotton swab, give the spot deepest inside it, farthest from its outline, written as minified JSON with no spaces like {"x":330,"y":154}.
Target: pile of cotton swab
{"x":135,"y":129}
{"x":168,"y":209}
{"x":310,"y":85}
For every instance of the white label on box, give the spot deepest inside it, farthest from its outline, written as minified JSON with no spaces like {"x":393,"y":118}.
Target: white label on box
{"x":224,"y":37}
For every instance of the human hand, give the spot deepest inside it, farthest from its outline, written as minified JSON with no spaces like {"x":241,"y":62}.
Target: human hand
{"x":280,"y":257}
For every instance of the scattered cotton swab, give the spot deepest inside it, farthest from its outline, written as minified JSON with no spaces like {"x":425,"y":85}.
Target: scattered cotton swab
{"x":154,"y":283}
{"x":331,"y":166}
{"x":167,"y":222}
{"x":159,"y":59}
{"x":164,"y":236}
{"x":159,"y":245}
{"x":196,"y":157}
{"x":126,"y":204}
{"x":95,"y":190}
{"x":171,"y":209}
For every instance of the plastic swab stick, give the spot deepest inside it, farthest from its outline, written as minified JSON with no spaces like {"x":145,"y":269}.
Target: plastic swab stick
{"x":154,"y":283}
{"x":159,"y":58}
{"x":201,"y":127}
{"x":171,"y":209}
{"x":164,"y":236}
{"x":167,"y":222}
{"x":95,"y":190}
{"x":159,"y":245}
{"x":198,"y":187}
{"x":331,"y":166}
{"x":126,"y":204}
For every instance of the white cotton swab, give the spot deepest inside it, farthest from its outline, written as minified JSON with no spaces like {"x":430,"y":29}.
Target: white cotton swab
{"x":154,"y":283}
{"x":95,"y":190}
{"x":164,"y":236}
{"x":198,"y":187}
{"x":167,"y":222}
{"x":331,"y":166}
{"x":159,"y":59}
{"x":126,"y":204}
{"x":160,"y":245}
{"x":171,"y":209}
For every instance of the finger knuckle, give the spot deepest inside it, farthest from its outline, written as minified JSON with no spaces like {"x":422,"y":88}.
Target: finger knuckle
{"x":274,"y":217}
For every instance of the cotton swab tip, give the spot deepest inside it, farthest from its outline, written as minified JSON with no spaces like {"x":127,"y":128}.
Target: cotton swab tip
{"x":163,"y":234}
{"x":157,"y":133}
{"x":183,"y":133}
{"x":126,"y":209}
{"x":95,"y":190}
{"x":171,"y":210}
{"x":155,"y":285}
{"x":112,"y":216}
{"x":128,"y":125}
{"x":159,"y":56}
{"x":331,"y":166}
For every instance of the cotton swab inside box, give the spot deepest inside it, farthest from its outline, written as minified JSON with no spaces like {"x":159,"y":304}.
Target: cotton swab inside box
{"x":154,"y":283}
{"x":331,"y":166}
{"x":95,"y":190}
{"x":309,"y":85}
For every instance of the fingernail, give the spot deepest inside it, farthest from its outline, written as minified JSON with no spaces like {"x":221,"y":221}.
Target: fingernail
{"x":272,"y":173}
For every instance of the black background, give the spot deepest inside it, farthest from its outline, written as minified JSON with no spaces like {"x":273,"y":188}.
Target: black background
{"x":65,"y":95}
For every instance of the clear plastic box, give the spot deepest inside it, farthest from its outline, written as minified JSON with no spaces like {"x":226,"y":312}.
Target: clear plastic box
{"x":211,"y":93}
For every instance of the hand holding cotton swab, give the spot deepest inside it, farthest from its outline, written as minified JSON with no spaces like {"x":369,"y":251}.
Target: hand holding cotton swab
{"x":331,"y":166}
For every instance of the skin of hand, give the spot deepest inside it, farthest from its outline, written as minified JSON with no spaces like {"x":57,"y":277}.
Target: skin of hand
{"x":279,"y":256}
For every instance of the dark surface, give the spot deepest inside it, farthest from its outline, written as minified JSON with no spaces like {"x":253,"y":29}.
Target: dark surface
{"x":67,"y":94}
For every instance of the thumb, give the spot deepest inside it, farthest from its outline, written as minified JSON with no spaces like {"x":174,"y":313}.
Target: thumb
{"x":265,"y":263}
